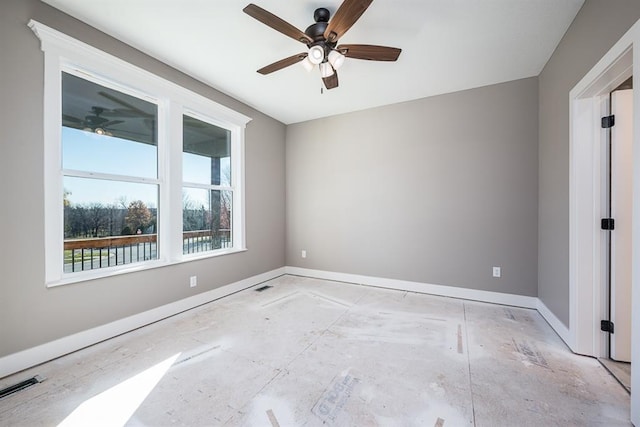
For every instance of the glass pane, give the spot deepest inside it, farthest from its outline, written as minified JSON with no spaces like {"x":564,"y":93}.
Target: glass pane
{"x":206,"y":157}
{"x":206,"y":220}
{"x":108,"y":223}
{"x":107,"y":131}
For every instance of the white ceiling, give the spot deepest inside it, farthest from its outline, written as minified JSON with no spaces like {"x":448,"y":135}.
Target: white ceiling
{"x":447,"y":46}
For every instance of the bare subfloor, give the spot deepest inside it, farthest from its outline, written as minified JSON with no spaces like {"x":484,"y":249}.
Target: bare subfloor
{"x":313,"y":352}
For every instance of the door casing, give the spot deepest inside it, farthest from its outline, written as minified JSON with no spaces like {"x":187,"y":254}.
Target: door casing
{"x":586,"y":266}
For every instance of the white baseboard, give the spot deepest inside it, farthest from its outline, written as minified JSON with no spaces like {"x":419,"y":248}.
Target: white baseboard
{"x":36,"y":355}
{"x":33,"y":356}
{"x":447,"y":291}
{"x":424,"y":288}
{"x":556,"y":324}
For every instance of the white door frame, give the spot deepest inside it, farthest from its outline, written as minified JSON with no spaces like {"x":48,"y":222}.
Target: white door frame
{"x":586,"y":263}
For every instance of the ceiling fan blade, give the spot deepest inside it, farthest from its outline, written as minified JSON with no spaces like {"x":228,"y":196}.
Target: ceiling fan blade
{"x":282,"y":63}
{"x":331,"y":81}
{"x":125,"y":104}
{"x":69,"y":118}
{"x":346,"y":15}
{"x":112,"y":122}
{"x":278,"y":24}
{"x":120,"y":112}
{"x":370,"y":52}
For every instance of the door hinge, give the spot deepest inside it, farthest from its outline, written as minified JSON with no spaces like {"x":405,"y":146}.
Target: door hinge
{"x":606,"y":326}
{"x":608,"y":224}
{"x":608,"y":121}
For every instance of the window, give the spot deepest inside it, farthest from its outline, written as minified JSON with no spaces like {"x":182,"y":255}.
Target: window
{"x":139,"y":172}
{"x":207,"y":193}
{"x":110,"y":176}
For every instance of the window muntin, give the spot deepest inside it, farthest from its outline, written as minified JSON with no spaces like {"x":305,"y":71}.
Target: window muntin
{"x":207,"y":186}
{"x":109,"y":156}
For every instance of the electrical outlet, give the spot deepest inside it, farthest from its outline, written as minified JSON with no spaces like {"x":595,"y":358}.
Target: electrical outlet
{"x":303,"y":254}
{"x":497,"y":272}
{"x":193,"y":281}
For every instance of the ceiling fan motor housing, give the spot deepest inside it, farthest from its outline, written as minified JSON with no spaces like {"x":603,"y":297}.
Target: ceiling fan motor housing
{"x":321,"y":14}
{"x":316,"y":31}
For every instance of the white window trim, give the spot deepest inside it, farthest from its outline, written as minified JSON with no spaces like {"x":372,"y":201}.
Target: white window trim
{"x":62,"y":52}
{"x":236,"y":176}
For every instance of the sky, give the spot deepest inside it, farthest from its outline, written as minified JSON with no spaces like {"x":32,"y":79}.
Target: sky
{"x":90,"y":152}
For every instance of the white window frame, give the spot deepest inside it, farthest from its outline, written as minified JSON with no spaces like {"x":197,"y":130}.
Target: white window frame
{"x":64,"y":53}
{"x":232,"y":188}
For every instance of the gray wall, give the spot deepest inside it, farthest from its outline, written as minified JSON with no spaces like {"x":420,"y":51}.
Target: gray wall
{"x":31,"y":314}
{"x":596,"y":28}
{"x":436,"y":190}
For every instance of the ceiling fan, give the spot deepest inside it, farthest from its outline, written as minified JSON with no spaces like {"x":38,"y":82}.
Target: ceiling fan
{"x":93,"y":122}
{"x":322,"y":40}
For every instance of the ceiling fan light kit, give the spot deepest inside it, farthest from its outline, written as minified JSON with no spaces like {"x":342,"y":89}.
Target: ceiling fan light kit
{"x":336,"y":59}
{"x":94,"y":122}
{"x":321,"y":39}
{"x":316,"y":54}
{"x":307,"y":64}
{"x":326,"y":70}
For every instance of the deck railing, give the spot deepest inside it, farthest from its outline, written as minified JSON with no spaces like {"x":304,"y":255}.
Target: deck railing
{"x":205,"y":240}
{"x":101,"y":252}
